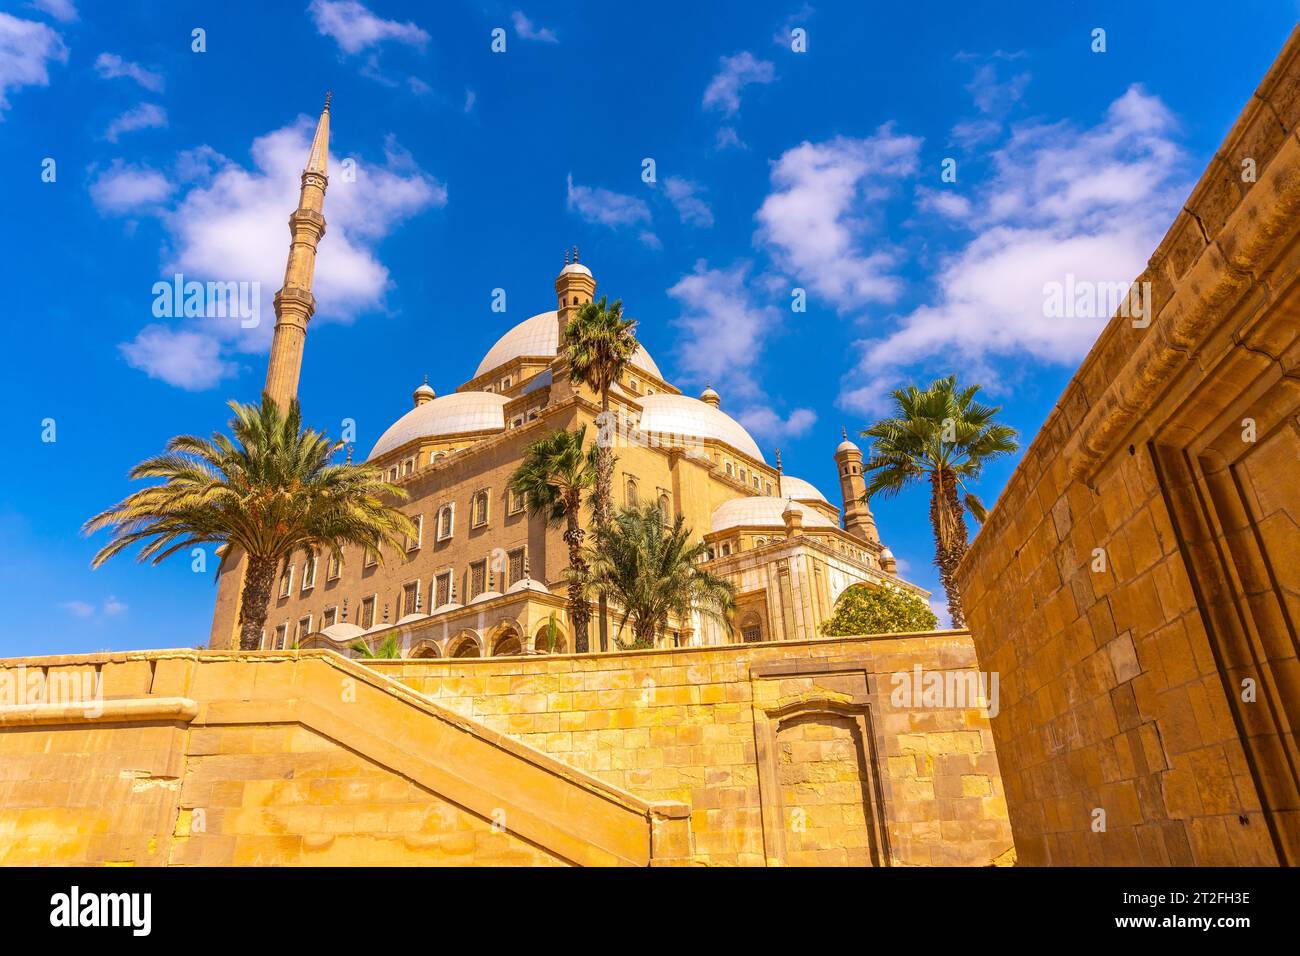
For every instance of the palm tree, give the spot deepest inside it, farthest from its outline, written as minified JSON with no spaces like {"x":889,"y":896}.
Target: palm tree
{"x":598,"y":345}
{"x":389,"y":650}
{"x":944,"y":436}
{"x":649,"y":567}
{"x":271,"y":492}
{"x":553,"y":477}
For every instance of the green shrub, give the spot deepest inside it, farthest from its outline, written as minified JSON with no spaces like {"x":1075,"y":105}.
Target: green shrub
{"x":864,"y":609}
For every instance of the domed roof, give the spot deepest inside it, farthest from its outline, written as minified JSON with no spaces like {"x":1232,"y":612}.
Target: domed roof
{"x":846,"y":445}
{"x":343,"y":631}
{"x":575,"y":267}
{"x":539,"y":336}
{"x":792,"y":487}
{"x":456,"y":413}
{"x":669,"y":414}
{"x":763,"y":512}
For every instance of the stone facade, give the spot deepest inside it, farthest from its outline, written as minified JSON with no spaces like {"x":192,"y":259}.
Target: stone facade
{"x":1136,"y":586}
{"x":778,"y":753}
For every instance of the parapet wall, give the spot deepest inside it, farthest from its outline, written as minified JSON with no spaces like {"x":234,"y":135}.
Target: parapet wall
{"x":1137,"y":585}
{"x":786,"y":752}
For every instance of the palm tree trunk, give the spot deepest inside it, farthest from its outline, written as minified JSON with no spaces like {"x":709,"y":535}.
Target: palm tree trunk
{"x":604,"y":504}
{"x":259,"y":576}
{"x":578,"y":610}
{"x":950,"y":538}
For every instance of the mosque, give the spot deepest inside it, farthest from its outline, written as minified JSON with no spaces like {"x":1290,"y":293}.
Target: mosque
{"x":482,"y":577}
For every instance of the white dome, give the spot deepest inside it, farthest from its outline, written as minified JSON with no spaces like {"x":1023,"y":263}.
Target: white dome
{"x":573,"y":267}
{"x":763,"y":512}
{"x":456,"y":413}
{"x":797,"y":488}
{"x":539,"y":337}
{"x":343,"y":631}
{"x":668,"y":414}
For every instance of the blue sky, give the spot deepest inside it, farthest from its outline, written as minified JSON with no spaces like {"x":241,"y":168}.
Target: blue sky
{"x":775,"y":170}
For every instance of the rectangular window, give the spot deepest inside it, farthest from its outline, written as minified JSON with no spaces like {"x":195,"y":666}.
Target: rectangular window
{"x":281,"y":637}
{"x":309,"y":573}
{"x":408,"y":466}
{"x":392,"y":473}
{"x":328,"y":617}
{"x":304,"y":628}
{"x":516,"y":503}
{"x":335,"y":567}
{"x":367,"y":616}
{"x":410,"y":599}
{"x":286,"y":581}
{"x":444,"y":589}
{"x":477,"y":578}
{"x":372,"y":558}
{"x":516,"y":565}
{"x":478,"y":514}
{"x":413,"y":544}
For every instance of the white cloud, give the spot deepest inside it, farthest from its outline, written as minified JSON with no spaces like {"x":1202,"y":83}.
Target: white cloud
{"x":650,"y":240}
{"x":84,"y":609}
{"x":763,"y":422}
{"x":26,"y":50}
{"x":605,"y":207}
{"x":144,"y":116}
{"x":822,"y":204}
{"x":470,"y":97}
{"x":723,"y":328}
{"x":1090,"y":203}
{"x":685,"y":197}
{"x":110,"y":66}
{"x":62,"y":10}
{"x":994,"y":97}
{"x":228,"y":226}
{"x":187,"y":359}
{"x":354,"y":27}
{"x":125,"y":189}
{"x":734,"y":74}
{"x":528,"y":31}
{"x":728,"y":138}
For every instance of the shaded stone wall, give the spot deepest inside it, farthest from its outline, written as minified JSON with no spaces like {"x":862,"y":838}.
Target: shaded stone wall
{"x":788,"y":752}
{"x":1137,"y":586}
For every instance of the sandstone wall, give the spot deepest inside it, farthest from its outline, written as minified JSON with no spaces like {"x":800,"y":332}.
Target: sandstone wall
{"x":1137,"y":585}
{"x":786,"y":752}
{"x":283,"y":759}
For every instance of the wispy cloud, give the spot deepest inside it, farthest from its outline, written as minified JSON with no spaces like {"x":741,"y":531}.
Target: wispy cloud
{"x":684,"y":194}
{"x":125,"y":188}
{"x":734,"y":74}
{"x":527,"y":30}
{"x":825,"y":199}
{"x":65,"y":11}
{"x":110,"y":607}
{"x":604,"y":207}
{"x":110,"y":66}
{"x":27,"y":49}
{"x":1091,"y":203}
{"x":144,"y":116}
{"x":354,"y":27}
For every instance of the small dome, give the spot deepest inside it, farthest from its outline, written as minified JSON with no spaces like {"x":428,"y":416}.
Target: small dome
{"x":528,"y":584}
{"x":343,"y":631}
{"x":668,"y":414}
{"x":846,"y":445}
{"x":485,"y":596}
{"x":791,"y":508}
{"x":424,"y":393}
{"x":800,"y":490}
{"x":762,"y":512}
{"x":886,"y":553}
{"x":577,"y":267}
{"x":457,"y":413}
{"x":411,"y":618}
{"x":710,"y":396}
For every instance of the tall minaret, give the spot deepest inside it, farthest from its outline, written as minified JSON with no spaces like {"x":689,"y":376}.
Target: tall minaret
{"x":858,"y":520}
{"x":294,"y":303}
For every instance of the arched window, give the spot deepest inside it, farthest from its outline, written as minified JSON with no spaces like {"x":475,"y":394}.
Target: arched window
{"x":751,"y":628}
{"x":729,"y":471}
{"x":631,"y":492}
{"x":446,"y":521}
{"x":478,"y":514}
{"x":665,"y":507}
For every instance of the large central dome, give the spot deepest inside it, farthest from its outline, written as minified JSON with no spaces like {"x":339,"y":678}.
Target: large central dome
{"x":540,"y":336}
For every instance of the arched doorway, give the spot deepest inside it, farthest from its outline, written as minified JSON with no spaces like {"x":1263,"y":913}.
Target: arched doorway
{"x":465,"y":644}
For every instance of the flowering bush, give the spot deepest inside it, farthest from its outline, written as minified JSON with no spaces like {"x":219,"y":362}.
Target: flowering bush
{"x":864,"y":609}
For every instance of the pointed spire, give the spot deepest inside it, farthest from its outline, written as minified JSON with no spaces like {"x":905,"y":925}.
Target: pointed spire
{"x":575,"y":253}
{"x":566,"y":256}
{"x":844,"y":433}
{"x":318,"y":160}
{"x":778,"y":461}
